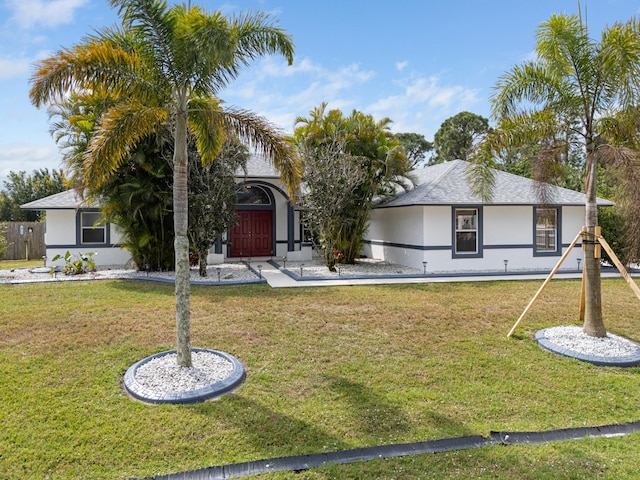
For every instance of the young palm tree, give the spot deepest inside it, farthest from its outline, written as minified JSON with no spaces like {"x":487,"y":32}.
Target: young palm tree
{"x":166,"y":66}
{"x":571,"y":92}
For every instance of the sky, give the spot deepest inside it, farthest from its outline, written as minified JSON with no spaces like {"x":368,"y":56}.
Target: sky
{"x":416,"y":62}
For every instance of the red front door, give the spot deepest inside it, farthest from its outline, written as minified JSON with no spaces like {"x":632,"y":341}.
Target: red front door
{"x":253,"y":236}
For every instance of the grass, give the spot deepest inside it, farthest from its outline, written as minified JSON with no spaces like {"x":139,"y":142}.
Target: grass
{"x":328,"y":369}
{"x":9,"y":264}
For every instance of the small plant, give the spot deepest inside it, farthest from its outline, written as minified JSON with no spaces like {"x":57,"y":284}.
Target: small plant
{"x":75,"y":265}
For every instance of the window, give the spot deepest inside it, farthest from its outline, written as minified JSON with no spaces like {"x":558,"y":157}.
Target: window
{"x":466,"y":231}
{"x":252,"y":195}
{"x":546,"y":230}
{"x":90,"y":232}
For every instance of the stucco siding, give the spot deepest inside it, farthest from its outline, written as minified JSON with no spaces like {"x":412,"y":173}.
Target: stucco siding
{"x":507,"y":234}
{"x":504,"y":225}
{"x":437,"y":221}
{"x":572,"y":222}
{"x":103,"y":256}
{"x":61,"y":227}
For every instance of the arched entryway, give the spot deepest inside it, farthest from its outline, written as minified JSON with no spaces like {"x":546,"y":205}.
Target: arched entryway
{"x":253,"y":236}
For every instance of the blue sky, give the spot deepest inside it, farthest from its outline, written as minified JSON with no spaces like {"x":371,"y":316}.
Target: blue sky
{"x":415,"y":62}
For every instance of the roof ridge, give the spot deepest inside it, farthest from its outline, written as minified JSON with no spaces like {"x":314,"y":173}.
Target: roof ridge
{"x":431,"y":185}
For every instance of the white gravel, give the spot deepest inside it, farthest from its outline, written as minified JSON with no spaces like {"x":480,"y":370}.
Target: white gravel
{"x":164,"y":375}
{"x":229,"y":272}
{"x":573,"y":338}
{"x":362,"y":267}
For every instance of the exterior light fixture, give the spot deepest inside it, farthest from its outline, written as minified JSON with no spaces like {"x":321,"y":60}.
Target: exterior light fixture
{"x":218,"y":271}
{"x":259,"y":271}
{"x":579,"y":260}
{"x":505,"y":264}
{"x":424,"y":268}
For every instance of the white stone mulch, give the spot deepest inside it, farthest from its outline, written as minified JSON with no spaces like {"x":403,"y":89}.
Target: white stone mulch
{"x":362,"y":267}
{"x":229,"y":272}
{"x":573,"y":338}
{"x":163,"y":374}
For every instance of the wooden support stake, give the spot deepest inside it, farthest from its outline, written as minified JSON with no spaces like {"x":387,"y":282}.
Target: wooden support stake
{"x":618,"y":263}
{"x":553,"y":272}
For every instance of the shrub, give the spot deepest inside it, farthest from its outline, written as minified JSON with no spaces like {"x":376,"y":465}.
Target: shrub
{"x":4,"y":245}
{"x":82,"y":263}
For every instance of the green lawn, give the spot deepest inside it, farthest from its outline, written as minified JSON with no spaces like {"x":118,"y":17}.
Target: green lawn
{"x":327,"y":369}
{"x":9,"y":264}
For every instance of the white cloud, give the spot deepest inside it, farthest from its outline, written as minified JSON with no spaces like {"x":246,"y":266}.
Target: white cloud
{"x":28,"y":157}
{"x":401,"y":65}
{"x":11,"y":68}
{"x":281,"y":93}
{"x":423,"y":105}
{"x":31,"y":13}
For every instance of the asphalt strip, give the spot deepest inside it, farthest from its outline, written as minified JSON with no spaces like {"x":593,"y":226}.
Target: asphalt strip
{"x":300,"y":463}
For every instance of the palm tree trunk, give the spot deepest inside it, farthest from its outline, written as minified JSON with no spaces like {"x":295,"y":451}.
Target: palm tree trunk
{"x":593,"y":323}
{"x":181,"y":242}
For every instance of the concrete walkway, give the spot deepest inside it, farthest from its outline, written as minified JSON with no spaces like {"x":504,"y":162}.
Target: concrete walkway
{"x":277,"y":278}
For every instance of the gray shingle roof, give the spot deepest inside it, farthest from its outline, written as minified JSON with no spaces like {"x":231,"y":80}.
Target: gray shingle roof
{"x":257,"y":167}
{"x":447,"y":184}
{"x":63,"y":200}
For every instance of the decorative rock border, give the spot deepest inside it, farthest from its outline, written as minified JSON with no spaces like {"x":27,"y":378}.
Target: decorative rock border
{"x":631,"y":360}
{"x":147,"y":395}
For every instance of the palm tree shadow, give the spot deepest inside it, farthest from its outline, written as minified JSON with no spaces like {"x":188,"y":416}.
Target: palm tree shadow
{"x":271,"y":432}
{"x":381,"y":417}
{"x":371,"y":413}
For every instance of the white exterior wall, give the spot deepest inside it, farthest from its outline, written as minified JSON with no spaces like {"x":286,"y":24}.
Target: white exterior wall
{"x":60,"y":227}
{"x":424,"y":234}
{"x":572,"y":222}
{"x":395,"y":225}
{"x":61,"y":231}
{"x":103,"y":256}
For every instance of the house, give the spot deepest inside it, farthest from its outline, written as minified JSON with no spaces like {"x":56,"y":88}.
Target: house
{"x":441,"y":226}
{"x":269,"y":224}
{"x":438,"y":226}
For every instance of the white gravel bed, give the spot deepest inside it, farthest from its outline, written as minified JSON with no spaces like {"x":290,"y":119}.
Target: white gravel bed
{"x":362,"y":267}
{"x":164,"y":375}
{"x":573,"y":338}
{"x":229,"y":272}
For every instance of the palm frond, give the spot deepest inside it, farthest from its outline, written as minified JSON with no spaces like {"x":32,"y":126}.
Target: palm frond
{"x":481,"y":168}
{"x":96,"y":65}
{"x":268,"y":140}
{"x":619,"y":56}
{"x":120,"y":130}
{"x":207,"y":127}
{"x":258,"y":34}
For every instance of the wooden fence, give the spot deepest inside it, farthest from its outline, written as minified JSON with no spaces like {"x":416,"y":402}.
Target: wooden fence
{"x":25,"y":240}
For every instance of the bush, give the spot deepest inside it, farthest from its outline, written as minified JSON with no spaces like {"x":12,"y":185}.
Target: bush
{"x":612,"y":225}
{"x":4,"y":245}
{"x":84,"y":263}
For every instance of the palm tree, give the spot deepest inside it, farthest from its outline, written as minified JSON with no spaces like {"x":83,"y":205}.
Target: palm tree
{"x":166,"y":66}
{"x":574,"y":91}
{"x":378,"y":160}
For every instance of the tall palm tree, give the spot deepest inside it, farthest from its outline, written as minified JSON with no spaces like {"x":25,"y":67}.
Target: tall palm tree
{"x":166,"y":66}
{"x":574,"y":91}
